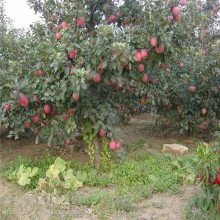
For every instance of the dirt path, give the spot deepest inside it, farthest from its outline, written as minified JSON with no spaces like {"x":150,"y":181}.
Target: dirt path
{"x":18,"y":205}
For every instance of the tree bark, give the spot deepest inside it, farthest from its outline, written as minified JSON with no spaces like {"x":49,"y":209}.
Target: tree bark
{"x":97,"y":154}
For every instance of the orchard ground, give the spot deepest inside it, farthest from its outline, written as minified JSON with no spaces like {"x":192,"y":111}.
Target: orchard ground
{"x":88,"y":202}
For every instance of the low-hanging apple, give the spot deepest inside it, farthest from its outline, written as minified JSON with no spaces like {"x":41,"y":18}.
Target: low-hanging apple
{"x":75,"y":96}
{"x":80,"y":22}
{"x":141,"y":68}
{"x":144,"y":53}
{"x":24,"y":101}
{"x":144,"y":78}
{"x":160,"y":49}
{"x":102,"y":132}
{"x":47,"y":109}
{"x":27,"y":124}
{"x":192,"y":88}
{"x":97,"y":78}
{"x":153,"y":41}
{"x":35,"y":119}
{"x":58,"y":36}
{"x":7,"y":106}
{"x":72,"y":54}
{"x":138,"y":56}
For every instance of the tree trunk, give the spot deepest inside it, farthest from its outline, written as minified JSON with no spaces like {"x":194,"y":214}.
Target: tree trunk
{"x":97,"y":154}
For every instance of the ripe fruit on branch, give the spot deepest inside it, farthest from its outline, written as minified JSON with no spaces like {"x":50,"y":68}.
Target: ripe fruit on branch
{"x":58,"y":36}
{"x":203,"y":111}
{"x":113,"y":145}
{"x":7,"y":106}
{"x":170,"y":19}
{"x":71,"y":111}
{"x":177,"y":18}
{"x":65,"y":116}
{"x":64,"y":25}
{"x":38,"y":72}
{"x":160,"y":49}
{"x":27,"y":124}
{"x":102,"y":132}
{"x":138,"y":56}
{"x":153,"y":81}
{"x":23,"y":100}
{"x":183,"y":2}
{"x":144,"y":53}
{"x":176,"y":11}
{"x":141,"y":68}
{"x":35,"y":119}
{"x":47,"y":109}
{"x":153,"y":41}
{"x":192,"y":88}
{"x":97,"y":78}
{"x":75,"y":96}
{"x":68,"y":141}
{"x":72,"y":54}
{"x":80,"y":22}
{"x":118,"y":13}
{"x":111,"y":18}
{"x":144,"y":78}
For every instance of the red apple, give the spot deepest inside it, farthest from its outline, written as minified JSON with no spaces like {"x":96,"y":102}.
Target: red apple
{"x":47,"y":109}
{"x":153,"y":41}
{"x":75,"y":96}
{"x":203,"y":111}
{"x":63,"y":24}
{"x":170,"y":19}
{"x":111,"y":18}
{"x":97,"y":78}
{"x":27,"y":124}
{"x":176,"y":11}
{"x":23,"y":100}
{"x":118,"y":13}
{"x":58,"y":36}
{"x":144,"y":53}
{"x":72,"y":54}
{"x":141,"y":68}
{"x":138,"y":56}
{"x":7,"y":106}
{"x":177,"y":18}
{"x":118,"y":145}
{"x":192,"y":88}
{"x":113,"y":145}
{"x":80,"y":22}
{"x":101,"y":132}
{"x":144,"y":78}
{"x":68,"y":141}
{"x":38,"y":72}
{"x":160,"y":49}
{"x":65,"y":116}
{"x":183,"y":2}
{"x":71,"y":111}
{"x":35,"y":119}
{"x":153,"y":81}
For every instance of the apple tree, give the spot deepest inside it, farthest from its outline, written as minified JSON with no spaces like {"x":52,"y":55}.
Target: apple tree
{"x":87,"y":58}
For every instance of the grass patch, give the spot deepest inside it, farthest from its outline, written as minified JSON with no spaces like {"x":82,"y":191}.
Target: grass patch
{"x":123,"y":184}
